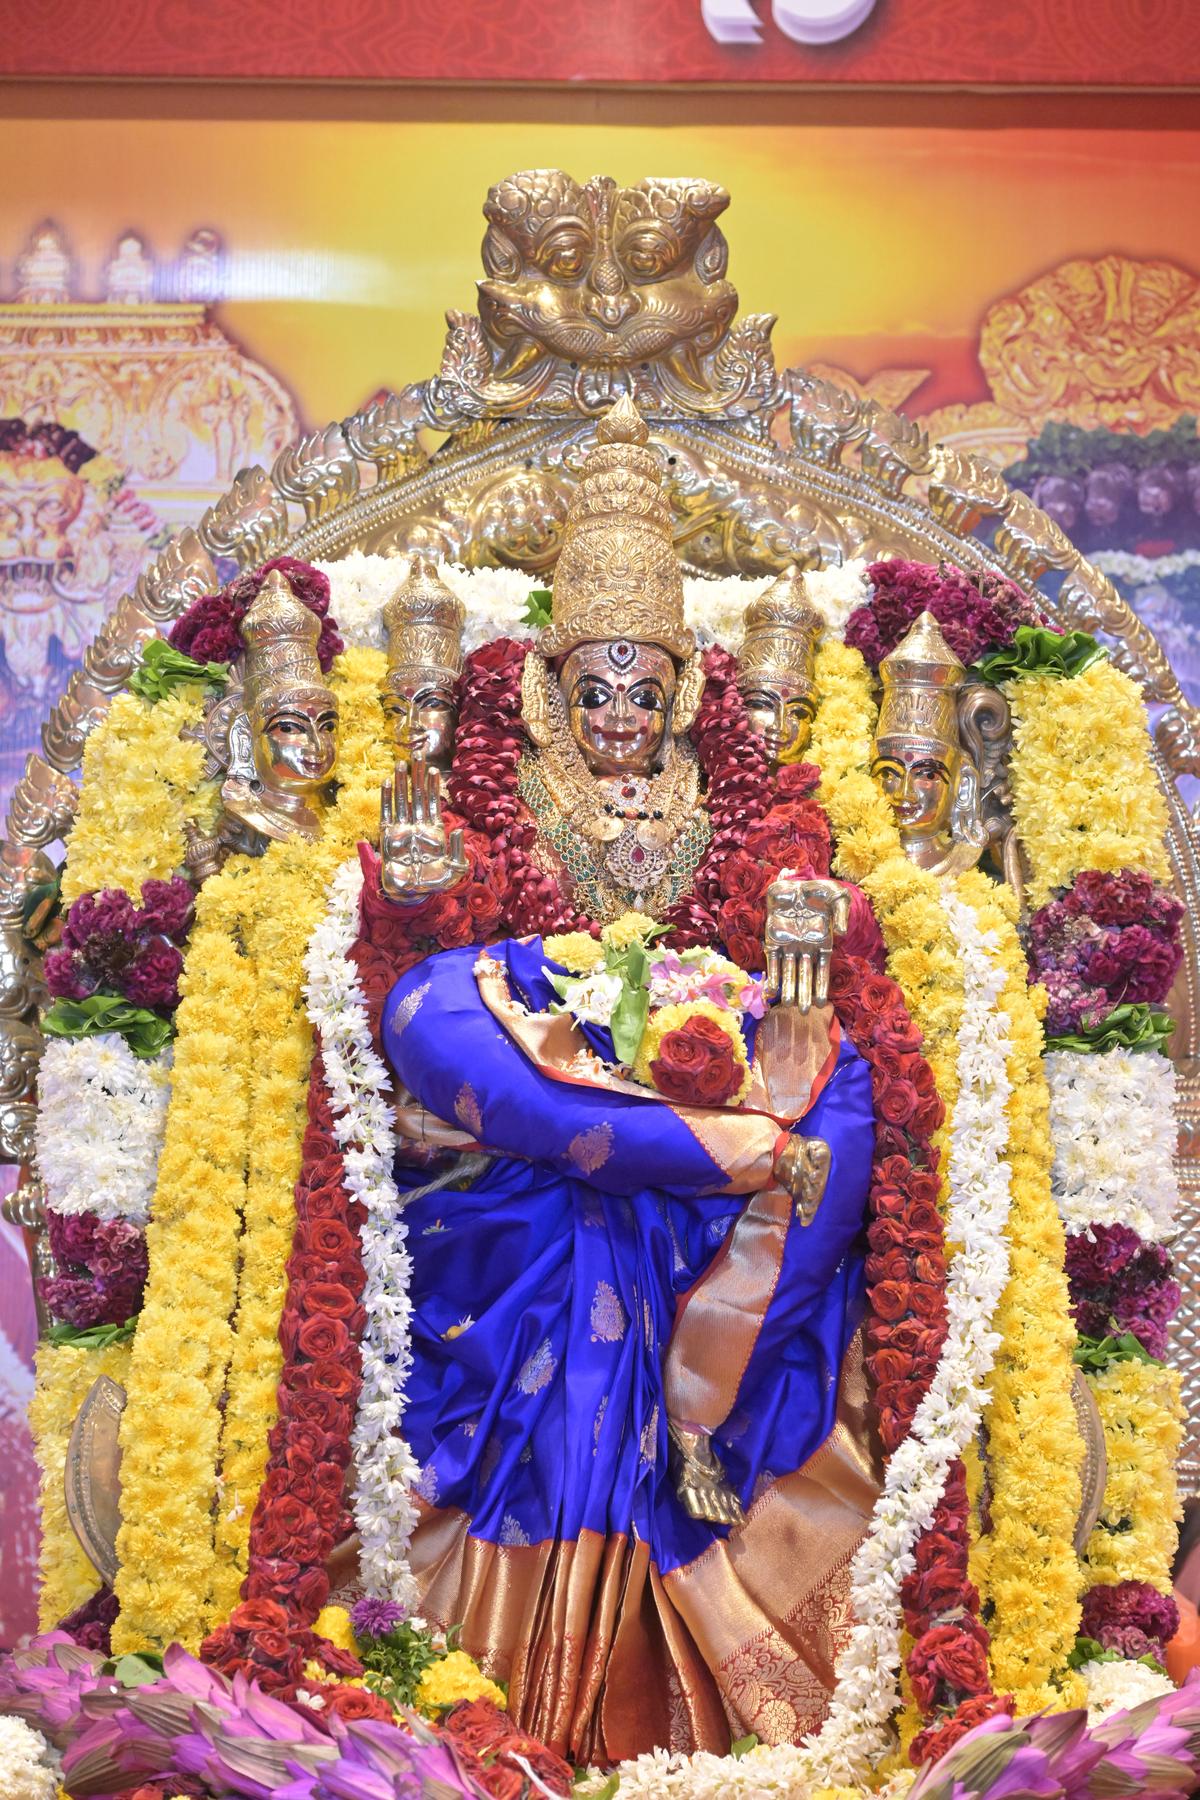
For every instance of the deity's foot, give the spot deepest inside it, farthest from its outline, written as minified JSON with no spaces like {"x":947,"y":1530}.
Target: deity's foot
{"x":700,"y":1478}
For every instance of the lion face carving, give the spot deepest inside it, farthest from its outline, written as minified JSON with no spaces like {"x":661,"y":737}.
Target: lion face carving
{"x":601,"y":275}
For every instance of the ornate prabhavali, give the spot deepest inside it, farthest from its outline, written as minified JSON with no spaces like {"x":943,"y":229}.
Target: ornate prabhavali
{"x":595,"y":291}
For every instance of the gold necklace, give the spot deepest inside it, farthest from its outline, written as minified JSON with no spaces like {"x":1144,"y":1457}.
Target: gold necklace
{"x":624,"y":840}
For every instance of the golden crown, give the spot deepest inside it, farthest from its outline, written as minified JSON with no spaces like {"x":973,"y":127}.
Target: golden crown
{"x":281,"y":635}
{"x":779,"y":638}
{"x":921,"y":679}
{"x":617,"y":574}
{"x":424,"y":624}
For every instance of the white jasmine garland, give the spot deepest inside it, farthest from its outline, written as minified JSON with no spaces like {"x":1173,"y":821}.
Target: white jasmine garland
{"x":1112,"y":1119}
{"x":856,"y":1734}
{"x":364,"y":1126}
{"x":837,"y":592}
{"x":29,"y":1764}
{"x":101,"y":1116}
{"x":496,"y":599}
{"x":1113,"y":1686}
{"x":1143,"y":571}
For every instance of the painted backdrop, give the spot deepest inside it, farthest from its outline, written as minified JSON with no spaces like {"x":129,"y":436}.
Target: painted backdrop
{"x":180,"y":298}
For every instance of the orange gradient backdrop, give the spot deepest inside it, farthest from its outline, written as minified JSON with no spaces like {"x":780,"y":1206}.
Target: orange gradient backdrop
{"x":876,"y":245}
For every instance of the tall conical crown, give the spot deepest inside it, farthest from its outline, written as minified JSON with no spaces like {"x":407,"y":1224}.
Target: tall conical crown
{"x":780,"y":635}
{"x":281,"y":635}
{"x":617,"y":574}
{"x":921,"y":679}
{"x":424,"y":624}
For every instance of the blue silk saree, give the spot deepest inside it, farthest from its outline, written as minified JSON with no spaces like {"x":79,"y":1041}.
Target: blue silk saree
{"x":619,"y":1258}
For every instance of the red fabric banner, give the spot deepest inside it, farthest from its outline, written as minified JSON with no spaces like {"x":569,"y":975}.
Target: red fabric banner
{"x":1139,"y":43}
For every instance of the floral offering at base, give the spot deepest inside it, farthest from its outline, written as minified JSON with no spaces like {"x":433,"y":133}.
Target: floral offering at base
{"x":582,"y":1140}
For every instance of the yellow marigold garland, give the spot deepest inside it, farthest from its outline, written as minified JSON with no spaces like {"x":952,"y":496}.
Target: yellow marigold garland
{"x":223,"y":1213}
{"x":1084,"y":790}
{"x":1143,"y":1422}
{"x":170,"y":1430}
{"x":1026,"y":1565}
{"x":140,"y":782}
{"x":64,"y":1374}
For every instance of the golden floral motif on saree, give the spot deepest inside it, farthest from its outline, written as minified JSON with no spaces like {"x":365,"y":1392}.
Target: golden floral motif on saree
{"x":589,"y":1150}
{"x":409,"y":1007}
{"x":538,"y":1369}
{"x":466,"y":1110}
{"x":607,"y":1315}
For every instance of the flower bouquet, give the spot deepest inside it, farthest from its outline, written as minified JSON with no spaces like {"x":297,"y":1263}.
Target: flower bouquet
{"x":675,"y":1021}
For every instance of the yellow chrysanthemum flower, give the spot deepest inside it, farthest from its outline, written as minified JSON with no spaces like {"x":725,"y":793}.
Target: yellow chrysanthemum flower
{"x":333,"y":1622}
{"x":454,"y":1677}
{"x":626,"y":930}
{"x":577,"y":951}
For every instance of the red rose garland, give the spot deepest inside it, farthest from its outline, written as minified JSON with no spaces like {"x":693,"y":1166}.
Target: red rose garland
{"x":301,"y":1511}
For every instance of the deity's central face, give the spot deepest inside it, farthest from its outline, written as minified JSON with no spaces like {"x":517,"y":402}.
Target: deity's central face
{"x":619,"y":697}
{"x":781,"y":712}
{"x":295,"y":745}
{"x":919,"y":783}
{"x":423,"y":717}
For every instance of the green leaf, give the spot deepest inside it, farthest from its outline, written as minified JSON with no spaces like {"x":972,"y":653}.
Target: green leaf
{"x":1036,"y":650}
{"x":744,"y":1745}
{"x":637,"y":966}
{"x":1126,"y":1027}
{"x":135,"y":1669}
{"x":162,"y":669}
{"x":607,"y":1792}
{"x":538,"y":608}
{"x":628,"y":1022}
{"x":91,"y":1337}
{"x":146,"y":1032}
{"x":560,"y":983}
{"x":1095,"y":1354}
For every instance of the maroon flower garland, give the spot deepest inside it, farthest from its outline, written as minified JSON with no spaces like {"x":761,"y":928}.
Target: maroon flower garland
{"x":301,"y":1511}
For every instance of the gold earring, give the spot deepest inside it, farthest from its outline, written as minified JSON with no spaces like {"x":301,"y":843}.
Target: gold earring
{"x":689,"y":691}
{"x":535,"y":699}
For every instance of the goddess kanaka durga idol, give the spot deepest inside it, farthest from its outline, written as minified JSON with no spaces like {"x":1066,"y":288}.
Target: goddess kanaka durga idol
{"x":638,"y":1392}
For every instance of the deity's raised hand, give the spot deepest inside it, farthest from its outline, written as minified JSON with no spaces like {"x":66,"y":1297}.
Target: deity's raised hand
{"x":803,"y":918}
{"x":417,"y":856}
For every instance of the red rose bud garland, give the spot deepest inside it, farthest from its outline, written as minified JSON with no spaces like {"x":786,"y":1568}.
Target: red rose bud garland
{"x":301,"y":1512}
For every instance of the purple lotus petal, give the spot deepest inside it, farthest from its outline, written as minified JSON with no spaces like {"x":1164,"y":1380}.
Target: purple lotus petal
{"x":187,"y":1675}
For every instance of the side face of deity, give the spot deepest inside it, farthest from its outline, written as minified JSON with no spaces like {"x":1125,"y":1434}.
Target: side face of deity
{"x":781,"y":712}
{"x":423,"y":717}
{"x":295,"y":740}
{"x":618,"y":697}
{"x":920,"y":782}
